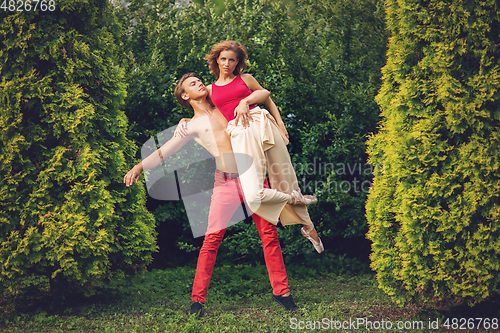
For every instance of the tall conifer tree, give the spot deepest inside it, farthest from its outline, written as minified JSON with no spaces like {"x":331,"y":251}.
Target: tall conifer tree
{"x":64,"y":212}
{"x":434,"y":209}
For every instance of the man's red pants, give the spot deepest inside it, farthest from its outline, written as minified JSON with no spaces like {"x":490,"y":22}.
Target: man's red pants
{"x":226,"y":198}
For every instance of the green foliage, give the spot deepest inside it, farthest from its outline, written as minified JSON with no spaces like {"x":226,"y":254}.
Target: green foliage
{"x":65,"y":213}
{"x":240,"y":301}
{"x":320,"y":59}
{"x":434,"y":211}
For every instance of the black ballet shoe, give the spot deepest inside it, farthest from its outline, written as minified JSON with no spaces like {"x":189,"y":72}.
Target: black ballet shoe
{"x":196,"y":309}
{"x":286,"y":302}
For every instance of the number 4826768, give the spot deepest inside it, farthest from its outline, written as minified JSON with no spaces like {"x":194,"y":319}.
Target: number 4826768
{"x":28,"y":5}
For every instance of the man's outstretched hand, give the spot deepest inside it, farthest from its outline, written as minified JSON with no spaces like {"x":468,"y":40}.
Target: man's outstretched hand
{"x":132,"y":175}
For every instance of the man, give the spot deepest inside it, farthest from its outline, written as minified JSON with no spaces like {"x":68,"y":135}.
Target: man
{"x":208,"y":128}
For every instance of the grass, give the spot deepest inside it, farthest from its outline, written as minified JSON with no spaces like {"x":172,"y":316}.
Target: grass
{"x":239,"y":300}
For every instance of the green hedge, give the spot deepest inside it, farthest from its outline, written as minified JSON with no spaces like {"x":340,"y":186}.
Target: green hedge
{"x":434,"y":211}
{"x":65,"y":214}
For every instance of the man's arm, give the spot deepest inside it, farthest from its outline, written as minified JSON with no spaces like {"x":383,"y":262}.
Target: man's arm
{"x":170,"y":147}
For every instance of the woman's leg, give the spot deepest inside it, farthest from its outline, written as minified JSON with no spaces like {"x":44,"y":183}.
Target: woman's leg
{"x":261,"y":149}
{"x":250,"y":146}
{"x":283,"y":178}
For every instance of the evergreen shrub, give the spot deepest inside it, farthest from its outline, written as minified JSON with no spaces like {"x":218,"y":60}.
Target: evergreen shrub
{"x":65,"y":214}
{"x":434,"y":210}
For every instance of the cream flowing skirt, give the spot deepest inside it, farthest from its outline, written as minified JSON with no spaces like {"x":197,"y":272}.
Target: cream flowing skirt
{"x":261,"y":148}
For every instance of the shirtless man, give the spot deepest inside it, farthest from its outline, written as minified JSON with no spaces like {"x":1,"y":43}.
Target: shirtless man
{"x":208,"y":128}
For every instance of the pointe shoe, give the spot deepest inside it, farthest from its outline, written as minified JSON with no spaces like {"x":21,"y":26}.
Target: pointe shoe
{"x":317,"y":245}
{"x":298,"y":199}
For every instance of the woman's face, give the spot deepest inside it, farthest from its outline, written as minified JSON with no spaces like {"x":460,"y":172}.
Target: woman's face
{"x":227,"y":61}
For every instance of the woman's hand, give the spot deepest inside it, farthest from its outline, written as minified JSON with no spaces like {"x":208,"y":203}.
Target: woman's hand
{"x":132,"y":175}
{"x":242,"y":112}
{"x":181,"y":129}
{"x":281,"y":126}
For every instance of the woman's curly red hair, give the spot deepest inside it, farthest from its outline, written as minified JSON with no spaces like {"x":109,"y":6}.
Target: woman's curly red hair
{"x":228,"y":45}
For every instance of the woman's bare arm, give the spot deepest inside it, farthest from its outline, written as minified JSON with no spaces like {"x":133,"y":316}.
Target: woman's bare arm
{"x":273,"y":110}
{"x":258,"y":95}
{"x":253,"y":85}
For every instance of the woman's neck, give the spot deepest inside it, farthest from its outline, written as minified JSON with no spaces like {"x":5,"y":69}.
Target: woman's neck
{"x":226,"y":78}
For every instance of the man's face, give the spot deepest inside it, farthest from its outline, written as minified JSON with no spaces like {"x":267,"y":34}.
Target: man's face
{"x":193,"y":89}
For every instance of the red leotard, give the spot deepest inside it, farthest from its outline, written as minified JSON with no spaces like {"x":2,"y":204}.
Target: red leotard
{"x":227,"y":97}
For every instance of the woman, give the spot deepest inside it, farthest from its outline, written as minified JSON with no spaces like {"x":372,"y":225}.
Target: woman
{"x":266,"y":143}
